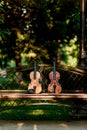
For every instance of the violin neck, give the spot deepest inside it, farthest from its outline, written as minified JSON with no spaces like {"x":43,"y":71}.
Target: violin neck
{"x":35,"y":70}
{"x":54,"y":71}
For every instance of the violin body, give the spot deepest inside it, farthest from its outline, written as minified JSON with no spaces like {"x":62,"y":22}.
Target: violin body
{"x":54,"y":86}
{"x":34,"y":86}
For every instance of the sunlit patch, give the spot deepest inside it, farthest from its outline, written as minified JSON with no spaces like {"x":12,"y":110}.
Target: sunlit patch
{"x":64,"y":126}
{"x":20,"y":125}
{"x":37,"y":112}
{"x":20,"y":36}
{"x":35,"y":127}
{"x":31,"y":54}
{"x":11,"y":63}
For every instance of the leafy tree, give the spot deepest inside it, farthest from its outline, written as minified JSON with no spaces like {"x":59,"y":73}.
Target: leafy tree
{"x":37,"y":26}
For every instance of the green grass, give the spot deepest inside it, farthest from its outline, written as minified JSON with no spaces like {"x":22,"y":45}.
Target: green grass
{"x":36,"y":113}
{"x":18,"y":110}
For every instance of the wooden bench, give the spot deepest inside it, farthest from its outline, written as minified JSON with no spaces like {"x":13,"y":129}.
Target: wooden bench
{"x":42,"y":96}
{"x":22,"y":94}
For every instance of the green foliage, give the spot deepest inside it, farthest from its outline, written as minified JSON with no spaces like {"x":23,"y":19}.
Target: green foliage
{"x":9,"y":82}
{"x":37,"y":26}
{"x":4,"y":33}
{"x":70,"y":52}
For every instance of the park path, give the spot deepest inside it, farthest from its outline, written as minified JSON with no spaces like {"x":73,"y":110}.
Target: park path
{"x":42,"y":125}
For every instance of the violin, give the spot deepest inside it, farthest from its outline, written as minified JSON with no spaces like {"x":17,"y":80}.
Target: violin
{"x":34,"y":86}
{"x":54,"y":76}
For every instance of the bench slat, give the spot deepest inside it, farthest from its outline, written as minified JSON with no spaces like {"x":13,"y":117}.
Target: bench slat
{"x":43,"y":96}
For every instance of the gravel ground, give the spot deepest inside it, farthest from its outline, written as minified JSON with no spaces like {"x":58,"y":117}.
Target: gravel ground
{"x":43,"y":125}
